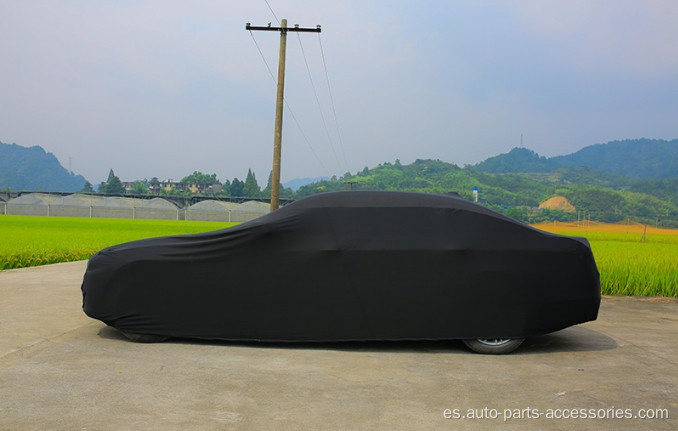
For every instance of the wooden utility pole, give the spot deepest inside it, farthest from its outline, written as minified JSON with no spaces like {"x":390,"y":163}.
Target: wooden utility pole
{"x":277,"y":136}
{"x":350,"y":184}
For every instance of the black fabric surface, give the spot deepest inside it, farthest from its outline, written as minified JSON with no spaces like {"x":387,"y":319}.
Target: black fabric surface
{"x":350,"y":266}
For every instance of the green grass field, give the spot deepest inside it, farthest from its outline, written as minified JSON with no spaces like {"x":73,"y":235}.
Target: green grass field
{"x":628,"y":265}
{"x":34,"y":240}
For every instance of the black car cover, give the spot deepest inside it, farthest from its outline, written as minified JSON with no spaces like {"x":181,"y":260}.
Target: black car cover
{"x":350,"y":266}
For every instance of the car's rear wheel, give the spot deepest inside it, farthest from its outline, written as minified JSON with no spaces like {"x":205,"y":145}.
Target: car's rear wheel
{"x":144,"y":338}
{"x":494,"y":346}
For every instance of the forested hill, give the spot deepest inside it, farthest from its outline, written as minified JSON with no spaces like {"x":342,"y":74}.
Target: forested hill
{"x":23,"y":168}
{"x":634,"y":158}
{"x":605,"y":196}
{"x":517,"y":160}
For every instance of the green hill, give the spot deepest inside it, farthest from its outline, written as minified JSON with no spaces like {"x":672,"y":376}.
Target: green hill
{"x":604,"y":196}
{"x":33,"y":169}
{"x":517,"y":160}
{"x":631,"y":158}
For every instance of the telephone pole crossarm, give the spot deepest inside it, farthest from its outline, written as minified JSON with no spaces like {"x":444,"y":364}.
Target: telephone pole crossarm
{"x":296,"y":27}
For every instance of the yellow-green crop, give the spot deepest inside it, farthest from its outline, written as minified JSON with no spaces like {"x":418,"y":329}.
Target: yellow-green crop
{"x":628,"y":265}
{"x":35,"y":240}
{"x":632,"y":259}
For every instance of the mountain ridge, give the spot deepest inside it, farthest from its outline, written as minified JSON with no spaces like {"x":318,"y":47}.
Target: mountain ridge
{"x":631,"y":158}
{"x":606,"y":196}
{"x":516,"y":183}
{"x":34,"y":169}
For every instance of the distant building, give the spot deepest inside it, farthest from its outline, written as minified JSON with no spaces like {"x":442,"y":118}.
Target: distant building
{"x":169,"y":185}
{"x":129,"y":185}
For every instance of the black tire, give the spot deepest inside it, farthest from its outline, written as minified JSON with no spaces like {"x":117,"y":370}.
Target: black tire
{"x":144,"y":338}
{"x":494,"y":346}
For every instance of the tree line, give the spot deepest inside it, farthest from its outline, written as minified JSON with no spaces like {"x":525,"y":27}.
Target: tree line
{"x":207,"y":184}
{"x":604,"y":197}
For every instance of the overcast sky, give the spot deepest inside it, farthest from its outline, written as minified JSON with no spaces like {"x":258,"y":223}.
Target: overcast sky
{"x":163,"y":88}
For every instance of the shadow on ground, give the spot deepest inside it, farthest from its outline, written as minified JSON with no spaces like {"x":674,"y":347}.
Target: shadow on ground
{"x":574,"y":339}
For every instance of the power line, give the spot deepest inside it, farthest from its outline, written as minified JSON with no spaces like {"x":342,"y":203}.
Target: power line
{"x":317,"y":100}
{"x":263,"y":58}
{"x":289,"y":108}
{"x":279,"y":102}
{"x":334,"y":111}
{"x":294,"y":117}
{"x":271,"y":9}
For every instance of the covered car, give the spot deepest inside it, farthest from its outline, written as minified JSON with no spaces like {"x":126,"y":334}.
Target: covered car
{"x":345,"y":266}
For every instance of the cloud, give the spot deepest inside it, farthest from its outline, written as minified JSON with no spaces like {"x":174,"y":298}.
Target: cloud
{"x":163,"y":88}
{"x":633,"y":38}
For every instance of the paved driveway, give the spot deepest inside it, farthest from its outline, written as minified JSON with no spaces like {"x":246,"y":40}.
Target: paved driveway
{"x":61,"y":370}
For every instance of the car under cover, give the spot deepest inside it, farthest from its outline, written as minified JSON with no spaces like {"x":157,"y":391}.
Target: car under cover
{"x":350,"y":266}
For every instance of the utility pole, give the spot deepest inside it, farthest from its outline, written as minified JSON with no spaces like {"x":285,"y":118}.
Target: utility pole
{"x":277,"y":136}
{"x":350,"y":184}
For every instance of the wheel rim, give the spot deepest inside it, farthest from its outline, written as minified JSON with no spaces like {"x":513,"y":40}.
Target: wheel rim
{"x":494,"y":341}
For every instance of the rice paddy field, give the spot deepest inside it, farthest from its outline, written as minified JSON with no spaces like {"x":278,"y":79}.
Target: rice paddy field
{"x":36,"y":240}
{"x":632,"y":259}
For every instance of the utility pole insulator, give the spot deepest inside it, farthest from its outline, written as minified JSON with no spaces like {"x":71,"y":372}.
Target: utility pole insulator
{"x":277,"y":135}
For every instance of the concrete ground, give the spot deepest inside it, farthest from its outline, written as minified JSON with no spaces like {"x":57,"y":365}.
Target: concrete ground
{"x":61,"y":370}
